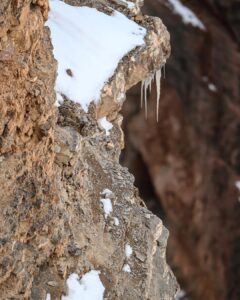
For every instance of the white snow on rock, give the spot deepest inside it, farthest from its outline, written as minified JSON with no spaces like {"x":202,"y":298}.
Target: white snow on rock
{"x":48,"y":297}
{"x":116,"y":221}
{"x":180,"y":294}
{"x":128,"y":250}
{"x":88,"y":46}
{"x":129,"y":4}
{"x":237,"y":184}
{"x":126,"y":268}
{"x":187,"y":15}
{"x":107,"y":206}
{"x":212,"y":87}
{"x":89,"y":287}
{"x":59,"y":99}
{"x":105,"y":125}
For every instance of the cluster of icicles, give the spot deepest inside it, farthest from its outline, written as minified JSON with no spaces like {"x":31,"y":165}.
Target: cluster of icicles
{"x":147,"y":85}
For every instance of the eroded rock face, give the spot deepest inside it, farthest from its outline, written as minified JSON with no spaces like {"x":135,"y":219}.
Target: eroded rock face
{"x":228,"y":12}
{"x":192,"y":154}
{"x":55,"y":165}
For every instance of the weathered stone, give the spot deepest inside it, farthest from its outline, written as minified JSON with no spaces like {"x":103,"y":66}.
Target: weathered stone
{"x":55,"y":164}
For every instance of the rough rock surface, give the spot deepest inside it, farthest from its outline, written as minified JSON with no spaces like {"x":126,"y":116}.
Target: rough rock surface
{"x":192,"y":155}
{"x":55,"y":163}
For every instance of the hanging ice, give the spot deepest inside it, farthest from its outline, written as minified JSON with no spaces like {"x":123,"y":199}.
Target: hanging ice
{"x":158,"y":87}
{"x":146,"y":85}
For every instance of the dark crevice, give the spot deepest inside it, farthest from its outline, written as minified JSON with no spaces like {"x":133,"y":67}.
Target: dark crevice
{"x":133,"y":160}
{"x":143,"y":182}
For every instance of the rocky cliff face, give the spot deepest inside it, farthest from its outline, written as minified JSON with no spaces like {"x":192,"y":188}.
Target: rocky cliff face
{"x":58,"y":169}
{"x":192,"y":154}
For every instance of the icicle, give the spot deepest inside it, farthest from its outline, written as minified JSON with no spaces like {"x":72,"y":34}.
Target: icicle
{"x":142,"y":85}
{"x":145,"y":86}
{"x":158,"y":86}
{"x":145,"y":97}
{"x":152,"y":79}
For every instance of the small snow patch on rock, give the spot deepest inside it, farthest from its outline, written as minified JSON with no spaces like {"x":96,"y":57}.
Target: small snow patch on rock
{"x":105,"y":125}
{"x":130,"y":5}
{"x":59,"y":99}
{"x":212,"y":87}
{"x":180,"y":295}
{"x":186,"y":14}
{"x":89,"y":287}
{"x":237,"y":184}
{"x":107,"y":206}
{"x":48,"y":297}
{"x":116,"y":221}
{"x":126,"y":268}
{"x":128,"y":250}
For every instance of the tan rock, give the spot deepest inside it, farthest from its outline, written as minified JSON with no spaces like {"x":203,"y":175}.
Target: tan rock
{"x":54,"y":167}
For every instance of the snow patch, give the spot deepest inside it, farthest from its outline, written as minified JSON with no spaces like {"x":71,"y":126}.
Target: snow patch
{"x":88,"y":46}
{"x":89,"y":287}
{"x":237,"y":184}
{"x":107,"y":206}
{"x":48,"y":297}
{"x":105,"y":125}
{"x":128,"y":250}
{"x":180,"y":294}
{"x":116,"y":221}
{"x":59,"y":99}
{"x":188,"y":16}
{"x":126,"y":268}
{"x":212,"y":87}
{"x":130,"y":5}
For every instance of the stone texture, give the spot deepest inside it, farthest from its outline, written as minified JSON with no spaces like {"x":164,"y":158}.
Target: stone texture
{"x":192,"y":154}
{"x":55,"y":163}
{"x":228,"y":11}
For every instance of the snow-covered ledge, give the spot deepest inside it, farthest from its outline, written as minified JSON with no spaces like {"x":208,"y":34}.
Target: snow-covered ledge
{"x":110,"y":52}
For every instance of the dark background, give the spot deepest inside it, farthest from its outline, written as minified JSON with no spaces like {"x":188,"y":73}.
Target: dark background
{"x":187,"y":165}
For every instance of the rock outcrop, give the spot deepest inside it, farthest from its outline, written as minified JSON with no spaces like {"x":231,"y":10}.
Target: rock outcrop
{"x":57,"y":167}
{"x":192,"y":154}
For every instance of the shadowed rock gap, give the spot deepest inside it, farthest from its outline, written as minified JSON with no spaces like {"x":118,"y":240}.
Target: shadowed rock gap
{"x":133,"y":160}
